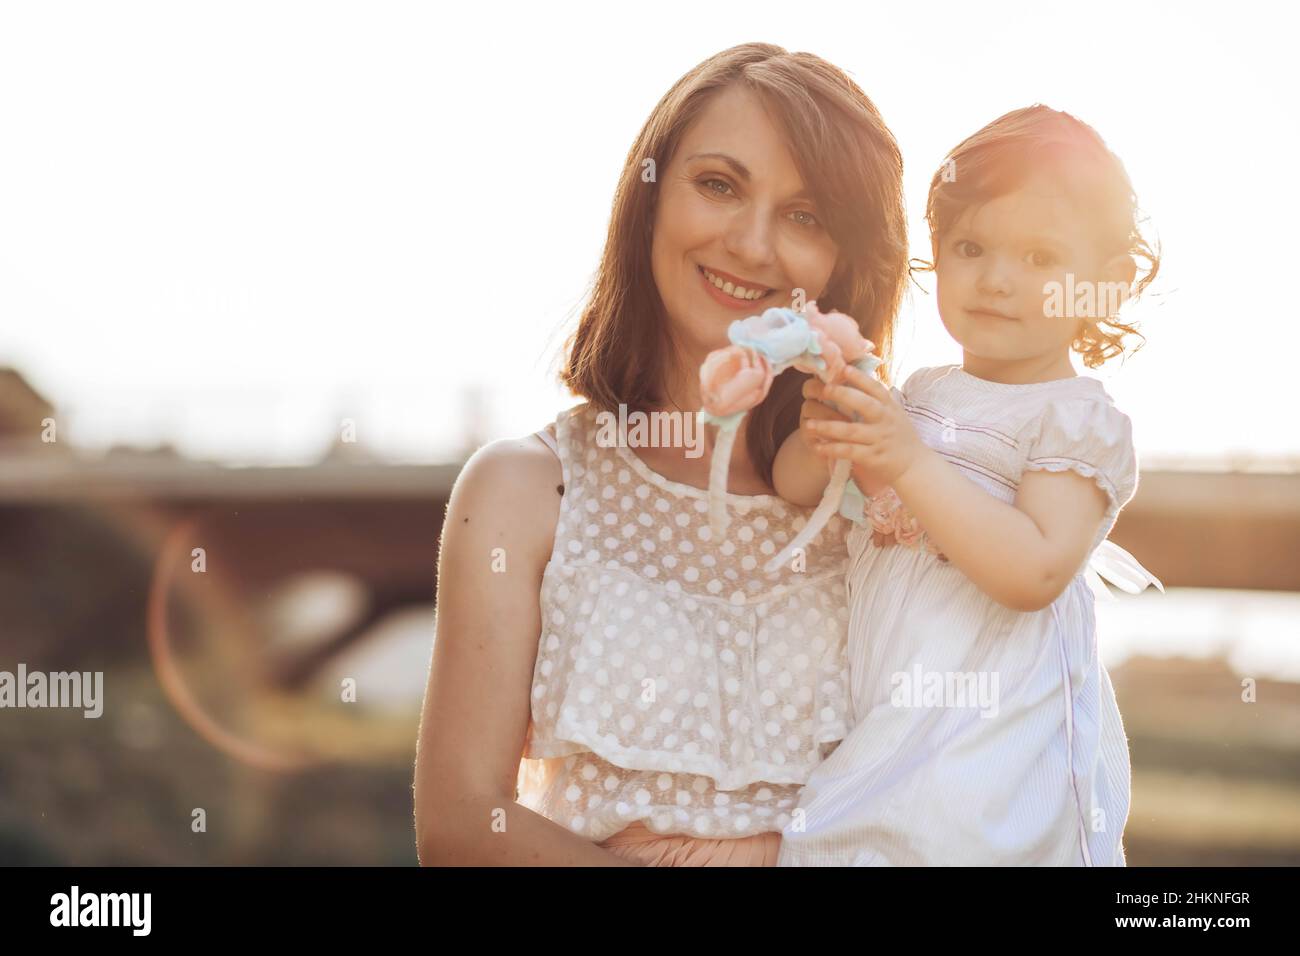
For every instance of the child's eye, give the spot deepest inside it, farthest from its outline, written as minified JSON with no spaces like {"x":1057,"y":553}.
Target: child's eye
{"x":967,"y":249}
{"x":1041,"y":259}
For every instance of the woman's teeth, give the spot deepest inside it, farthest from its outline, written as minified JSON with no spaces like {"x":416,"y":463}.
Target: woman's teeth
{"x":735,"y":291}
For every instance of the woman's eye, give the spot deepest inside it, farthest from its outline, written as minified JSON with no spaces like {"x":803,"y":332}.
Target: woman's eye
{"x":808,"y":220}
{"x":712,"y":186}
{"x":1041,"y":259}
{"x":968,"y":249}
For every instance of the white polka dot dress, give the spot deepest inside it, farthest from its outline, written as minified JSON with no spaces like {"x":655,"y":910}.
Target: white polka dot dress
{"x":981,"y":736}
{"x":676,"y":684}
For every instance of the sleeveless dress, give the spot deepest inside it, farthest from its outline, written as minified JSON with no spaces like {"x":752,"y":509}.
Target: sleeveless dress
{"x":680,"y":696}
{"x":982,"y":735}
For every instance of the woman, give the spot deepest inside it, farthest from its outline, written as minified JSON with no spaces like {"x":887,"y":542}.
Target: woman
{"x":669,"y":698}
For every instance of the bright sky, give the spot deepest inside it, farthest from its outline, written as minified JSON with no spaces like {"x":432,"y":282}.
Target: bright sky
{"x":232,"y":225}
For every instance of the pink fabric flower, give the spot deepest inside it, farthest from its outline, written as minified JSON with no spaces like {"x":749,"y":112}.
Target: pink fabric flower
{"x":840,"y":329}
{"x":892,"y":523}
{"x":830,"y":355}
{"x":734,"y":379}
{"x":881,"y":511}
{"x":906,"y":528}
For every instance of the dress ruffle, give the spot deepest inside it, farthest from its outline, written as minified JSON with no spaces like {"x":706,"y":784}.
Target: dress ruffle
{"x":689,"y":685}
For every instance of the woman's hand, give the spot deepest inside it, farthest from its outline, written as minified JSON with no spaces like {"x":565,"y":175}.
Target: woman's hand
{"x":882,"y":445}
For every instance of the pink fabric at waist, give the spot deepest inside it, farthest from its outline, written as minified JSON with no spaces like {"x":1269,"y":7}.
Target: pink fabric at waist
{"x":641,"y":845}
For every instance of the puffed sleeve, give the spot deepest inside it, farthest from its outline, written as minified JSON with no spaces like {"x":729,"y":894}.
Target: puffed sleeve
{"x":917,"y":380}
{"x":1093,"y":438}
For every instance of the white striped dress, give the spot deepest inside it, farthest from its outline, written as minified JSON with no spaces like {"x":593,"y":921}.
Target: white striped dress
{"x":982,"y":735}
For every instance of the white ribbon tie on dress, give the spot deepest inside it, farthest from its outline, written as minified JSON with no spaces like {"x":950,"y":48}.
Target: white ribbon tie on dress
{"x":1111,"y":562}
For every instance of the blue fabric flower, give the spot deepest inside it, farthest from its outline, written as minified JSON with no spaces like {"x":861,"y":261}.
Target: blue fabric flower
{"x":779,"y":335}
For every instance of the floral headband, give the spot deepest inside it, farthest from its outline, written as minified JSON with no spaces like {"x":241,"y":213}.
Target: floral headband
{"x":737,"y":378}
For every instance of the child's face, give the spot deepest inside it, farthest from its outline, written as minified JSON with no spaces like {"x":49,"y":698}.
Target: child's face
{"x":993,"y":267}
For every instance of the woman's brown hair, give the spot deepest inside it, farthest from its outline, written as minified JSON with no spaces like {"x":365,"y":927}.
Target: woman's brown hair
{"x":852,"y":167}
{"x":998,"y":158}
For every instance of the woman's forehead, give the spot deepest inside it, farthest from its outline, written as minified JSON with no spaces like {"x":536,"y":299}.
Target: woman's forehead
{"x":736,"y":125}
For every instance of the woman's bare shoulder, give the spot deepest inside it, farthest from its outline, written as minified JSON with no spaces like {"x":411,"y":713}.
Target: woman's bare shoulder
{"x":512,"y":488}
{"x":526,"y":466}
{"x":515,"y":464}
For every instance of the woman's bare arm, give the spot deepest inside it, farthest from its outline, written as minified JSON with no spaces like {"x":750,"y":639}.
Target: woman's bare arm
{"x":799,"y":475}
{"x":478,"y":700}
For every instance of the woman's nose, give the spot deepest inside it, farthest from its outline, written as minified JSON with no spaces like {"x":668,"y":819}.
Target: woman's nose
{"x":749,"y":237}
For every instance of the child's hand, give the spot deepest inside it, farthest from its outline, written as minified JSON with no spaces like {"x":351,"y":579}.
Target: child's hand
{"x":813,"y":410}
{"x":881,"y":446}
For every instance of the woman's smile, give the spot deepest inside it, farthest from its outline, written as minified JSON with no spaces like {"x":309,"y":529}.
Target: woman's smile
{"x":732,"y":291}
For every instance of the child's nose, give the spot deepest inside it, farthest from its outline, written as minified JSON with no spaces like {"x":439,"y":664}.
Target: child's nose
{"x":994,"y":278}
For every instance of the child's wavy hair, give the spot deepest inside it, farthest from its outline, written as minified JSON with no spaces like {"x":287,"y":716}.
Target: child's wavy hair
{"x":997,"y":160}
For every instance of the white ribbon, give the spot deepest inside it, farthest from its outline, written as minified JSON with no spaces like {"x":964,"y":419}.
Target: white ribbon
{"x":1114,"y":564}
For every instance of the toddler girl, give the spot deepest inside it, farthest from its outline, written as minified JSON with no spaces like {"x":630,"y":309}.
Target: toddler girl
{"x":986,"y":730}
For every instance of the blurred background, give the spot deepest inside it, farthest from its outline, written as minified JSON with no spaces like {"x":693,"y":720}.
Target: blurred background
{"x":269,"y":272}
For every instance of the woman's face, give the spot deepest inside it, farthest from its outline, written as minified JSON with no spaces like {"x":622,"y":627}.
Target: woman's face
{"x":732,"y":210}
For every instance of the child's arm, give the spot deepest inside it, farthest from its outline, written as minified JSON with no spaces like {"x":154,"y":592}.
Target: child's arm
{"x":1021,"y":555}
